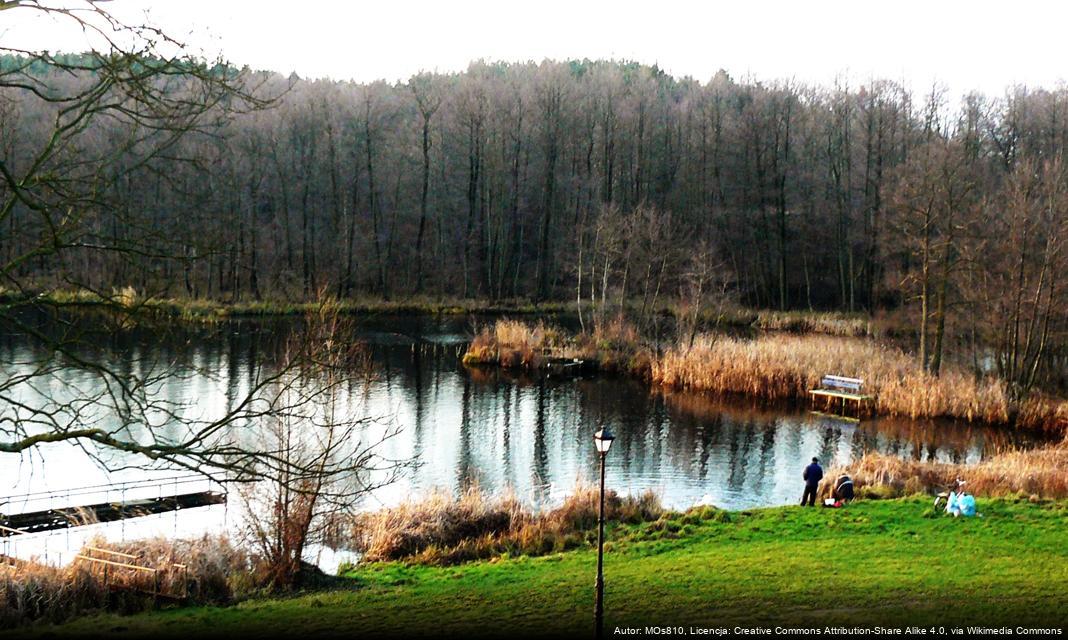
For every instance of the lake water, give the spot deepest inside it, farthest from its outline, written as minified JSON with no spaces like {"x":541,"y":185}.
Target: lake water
{"x":526,"y":434}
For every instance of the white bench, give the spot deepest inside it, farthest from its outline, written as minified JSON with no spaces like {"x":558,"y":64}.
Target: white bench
{"x":834,"y":387}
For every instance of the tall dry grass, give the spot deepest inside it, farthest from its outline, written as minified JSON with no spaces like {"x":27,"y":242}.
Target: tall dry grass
{"x":779,"y":367}
{"x":31,"y":591}
{"x":614,"y":345}
{"x":618,"y":346}
{"x":828,"y":323}
{"x":442,"y":529}
{"x":216,"y":572}
{"x":509,"y":344}
{"x":1041,"y":473}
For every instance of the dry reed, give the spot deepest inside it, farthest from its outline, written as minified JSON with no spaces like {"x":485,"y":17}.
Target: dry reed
{"x":828,"y":323}
{"x":442,"y":529}
{"x":216,"y":572}
{"x":1038,"y":473}
{"x":31,"y":591}
{"x":779,"y":367}
{"x":509,"y":344}
{"x":614,"y":345}
{"x":205,"y":569}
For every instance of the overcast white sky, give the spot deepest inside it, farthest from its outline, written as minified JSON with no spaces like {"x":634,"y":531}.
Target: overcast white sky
{"x":965,"y":45}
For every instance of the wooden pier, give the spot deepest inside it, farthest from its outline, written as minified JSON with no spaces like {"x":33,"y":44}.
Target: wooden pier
{"x":172,"y":494}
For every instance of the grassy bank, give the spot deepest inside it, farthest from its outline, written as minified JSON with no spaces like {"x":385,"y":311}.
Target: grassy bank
{"x":874,"y":562}
{"x":439,"y":529}
{"x":206,"y":310}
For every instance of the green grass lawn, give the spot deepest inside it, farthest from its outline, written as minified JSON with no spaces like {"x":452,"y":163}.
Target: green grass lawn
{"x":873,"y":563}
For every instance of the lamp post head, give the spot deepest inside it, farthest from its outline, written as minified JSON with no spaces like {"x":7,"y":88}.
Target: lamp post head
{"x":603,"y":439}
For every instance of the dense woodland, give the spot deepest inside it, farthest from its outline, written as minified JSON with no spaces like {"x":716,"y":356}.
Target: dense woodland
{"x":579,"y":180}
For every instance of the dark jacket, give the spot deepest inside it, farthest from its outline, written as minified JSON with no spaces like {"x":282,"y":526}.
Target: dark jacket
{"x":813,"y":474}
{"x":843,"y":488}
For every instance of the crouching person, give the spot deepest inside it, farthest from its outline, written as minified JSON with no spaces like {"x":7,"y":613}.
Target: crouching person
{"x":965,"y":505}
{"x":843,"y":489}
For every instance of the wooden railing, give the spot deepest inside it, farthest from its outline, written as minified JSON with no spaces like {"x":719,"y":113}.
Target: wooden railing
{"x":10,"y":531}
{"x":123,"y":562}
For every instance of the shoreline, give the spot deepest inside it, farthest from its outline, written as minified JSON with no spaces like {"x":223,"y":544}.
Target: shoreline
{"x":207,"y":310}
{"x":210,"y":310}
{"x":656,"y":570}
{"x":618,"y":348}
{"x":771,"y":367}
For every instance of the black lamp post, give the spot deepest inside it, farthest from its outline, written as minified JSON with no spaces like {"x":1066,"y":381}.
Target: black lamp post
{"x":603,"y":439}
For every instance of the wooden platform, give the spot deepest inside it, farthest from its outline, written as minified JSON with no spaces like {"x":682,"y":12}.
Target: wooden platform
{"x":569,"y":367}
{"x":859,"y":399}
{"x":63,"y":518}
{"x":845,"y":395}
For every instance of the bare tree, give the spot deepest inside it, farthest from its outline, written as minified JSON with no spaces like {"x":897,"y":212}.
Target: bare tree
{"x":1023,"y":298}
{"x":704,"y":290}
{"x":61,"y":187}
{"x":324,"y":458}
{"x":428,"y":100}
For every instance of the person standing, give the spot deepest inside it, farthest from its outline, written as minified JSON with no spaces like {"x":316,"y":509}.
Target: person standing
{"x":812,"y":476}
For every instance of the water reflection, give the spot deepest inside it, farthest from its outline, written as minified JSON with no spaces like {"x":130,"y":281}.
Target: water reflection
{"x":525,"y":433}
{"x":533,"y":435}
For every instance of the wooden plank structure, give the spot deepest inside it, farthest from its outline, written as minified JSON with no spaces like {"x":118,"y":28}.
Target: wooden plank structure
{"x":834,"y":388}
{"x":52,"y":519}
{"x":64,"y":509}
{"x":569,"y":367}
{"x":119,"y":572}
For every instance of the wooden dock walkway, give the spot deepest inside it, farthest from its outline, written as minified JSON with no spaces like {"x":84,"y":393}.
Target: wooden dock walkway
{"x":52,"y":519}
{"x":169,"y":497}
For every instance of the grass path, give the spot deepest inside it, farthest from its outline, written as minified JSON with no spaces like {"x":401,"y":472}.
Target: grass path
{"x":874,"y":563}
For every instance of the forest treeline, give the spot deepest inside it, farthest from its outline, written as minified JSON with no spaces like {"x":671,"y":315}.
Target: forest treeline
{"x":581,"y":180}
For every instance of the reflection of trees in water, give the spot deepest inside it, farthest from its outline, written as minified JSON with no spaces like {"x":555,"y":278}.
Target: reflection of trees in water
{"x":541,"y":456}
{"x":767,"y":452}
{"x":506,"y":425}
{"x":828,"y":443}
{"x":418,"y":400}
{"x":638,"y":426}
{"x":463,"y":463}
{"x":944,"y":441}
{"x":233,"y":368}
{"x":740,"y":435}
{"x":917,"y":439}
{"x":705,"y":439}
{"x":688,"y":442}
